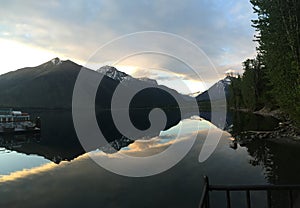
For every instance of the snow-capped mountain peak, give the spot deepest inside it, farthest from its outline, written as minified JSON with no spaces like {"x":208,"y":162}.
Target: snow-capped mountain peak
{"x":113,"y":73}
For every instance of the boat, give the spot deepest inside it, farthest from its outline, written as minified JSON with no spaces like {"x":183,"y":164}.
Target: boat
{"x":12,"y":121}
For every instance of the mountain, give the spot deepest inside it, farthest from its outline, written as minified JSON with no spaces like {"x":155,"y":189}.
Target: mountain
{"x":49,"y":85}
{"x":216,"y":92}
{"x":128,"y":81}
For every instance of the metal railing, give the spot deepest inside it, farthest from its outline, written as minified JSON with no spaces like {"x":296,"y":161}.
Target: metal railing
{"x":207,"y":188}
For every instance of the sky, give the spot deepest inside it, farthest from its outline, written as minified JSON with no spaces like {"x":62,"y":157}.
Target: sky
{"x":33,"y":32}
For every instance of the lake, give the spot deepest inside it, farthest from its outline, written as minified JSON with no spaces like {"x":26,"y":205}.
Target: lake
{"x":53,"y":170}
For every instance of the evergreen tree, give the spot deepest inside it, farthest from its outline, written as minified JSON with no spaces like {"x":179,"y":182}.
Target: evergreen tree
{"x":235,"y":93}
{"x":278,"y":38}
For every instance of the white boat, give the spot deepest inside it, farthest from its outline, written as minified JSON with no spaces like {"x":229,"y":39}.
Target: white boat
{"x":16,"y":121}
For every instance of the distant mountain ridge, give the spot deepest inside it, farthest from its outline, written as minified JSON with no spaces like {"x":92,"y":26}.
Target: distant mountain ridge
{"x":51,"y":84}
{"x":113,"y":73}
{"x":120,"y":76}
{"x":216,"y":92}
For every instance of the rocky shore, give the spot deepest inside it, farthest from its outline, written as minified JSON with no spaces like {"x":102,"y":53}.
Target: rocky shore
{"x":286,"y":132}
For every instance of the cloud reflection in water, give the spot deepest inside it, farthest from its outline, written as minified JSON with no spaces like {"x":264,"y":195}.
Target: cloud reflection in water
{"x":140,"y":148}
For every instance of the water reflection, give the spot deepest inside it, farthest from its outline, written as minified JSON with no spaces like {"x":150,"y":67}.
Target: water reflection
{"x":35,"y":145}
{"x":280,"y":168}
{"x":58,"y":140}
{"x":278,"y":160}
{"x":257,"y":162}
{"x":238,"y":122}
{"x":140,"y":148}
{"x":180,"y":186}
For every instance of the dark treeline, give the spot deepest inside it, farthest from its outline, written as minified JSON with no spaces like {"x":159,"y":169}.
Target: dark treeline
{"x":272,"y":79}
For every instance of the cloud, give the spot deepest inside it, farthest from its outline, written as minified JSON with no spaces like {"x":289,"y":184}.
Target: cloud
{"x":76,"y":29}
{"x":28,"y":172}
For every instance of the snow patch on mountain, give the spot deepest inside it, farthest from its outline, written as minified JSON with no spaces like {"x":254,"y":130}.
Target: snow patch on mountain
{"x":150,"y":81}
{"x":56,"y":61}
{"x":120,"y":76}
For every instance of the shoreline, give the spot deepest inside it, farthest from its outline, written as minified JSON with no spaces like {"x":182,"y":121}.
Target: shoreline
{"x":277,"y":113}
{"x":286,"y":132}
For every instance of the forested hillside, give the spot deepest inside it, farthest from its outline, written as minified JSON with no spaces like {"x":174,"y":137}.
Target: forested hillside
{"x":272,"y":79}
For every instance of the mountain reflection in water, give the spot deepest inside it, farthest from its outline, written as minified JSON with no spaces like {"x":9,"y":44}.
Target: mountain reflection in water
{"x":58,"y":140}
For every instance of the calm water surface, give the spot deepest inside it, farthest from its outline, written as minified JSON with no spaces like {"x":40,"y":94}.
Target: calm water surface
{"x":52,"y":170}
